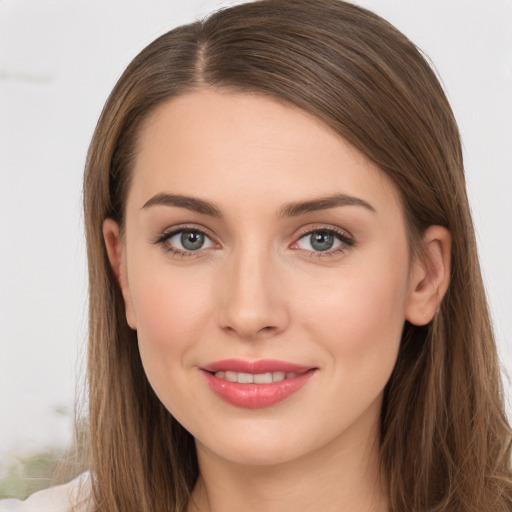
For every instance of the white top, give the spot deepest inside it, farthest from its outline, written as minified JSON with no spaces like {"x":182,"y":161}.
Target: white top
{"x":70,"y":497}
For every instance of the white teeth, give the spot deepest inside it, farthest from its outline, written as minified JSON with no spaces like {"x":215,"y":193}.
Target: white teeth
{"x":231,"y":376}
{"x":263,"y":378}
{"x":257,"y":378}
{"x":245,"y":378}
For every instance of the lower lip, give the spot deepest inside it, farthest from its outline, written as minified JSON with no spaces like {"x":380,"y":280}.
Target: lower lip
{"x":256,"y":396}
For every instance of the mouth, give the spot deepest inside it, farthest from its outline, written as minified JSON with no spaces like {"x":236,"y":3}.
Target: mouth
{"x":255,"y":378}
{"x":256,"y":384}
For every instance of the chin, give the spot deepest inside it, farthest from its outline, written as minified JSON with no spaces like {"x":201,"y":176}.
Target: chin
{"x":250,"y":452}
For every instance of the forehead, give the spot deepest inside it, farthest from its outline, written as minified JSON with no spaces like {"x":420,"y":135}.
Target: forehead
{"x":238,"y":147}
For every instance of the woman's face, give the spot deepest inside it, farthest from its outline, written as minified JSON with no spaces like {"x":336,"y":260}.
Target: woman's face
{"x":259,"y":246}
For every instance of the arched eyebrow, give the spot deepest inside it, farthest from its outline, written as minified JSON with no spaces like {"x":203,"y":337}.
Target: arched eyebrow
{"x":323,"y":203}
{"x":190,"y":203}
{"x":293,"y":209}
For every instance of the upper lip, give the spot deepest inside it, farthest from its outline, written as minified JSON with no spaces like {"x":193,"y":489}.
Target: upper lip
{"x":255,"y":367}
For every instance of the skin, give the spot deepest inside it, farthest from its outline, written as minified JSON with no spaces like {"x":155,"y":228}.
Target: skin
{"x":258,"y":289}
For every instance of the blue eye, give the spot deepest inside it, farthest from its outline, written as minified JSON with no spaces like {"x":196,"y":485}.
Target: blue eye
{"x":323,"y":240}
{"x":186,"y":240}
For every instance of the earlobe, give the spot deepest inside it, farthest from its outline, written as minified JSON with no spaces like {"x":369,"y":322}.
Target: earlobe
{"x":116,"y":256}
{"x":430,"y":276}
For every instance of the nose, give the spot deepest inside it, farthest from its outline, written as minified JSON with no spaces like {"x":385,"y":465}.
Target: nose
{"x":252,"y":301}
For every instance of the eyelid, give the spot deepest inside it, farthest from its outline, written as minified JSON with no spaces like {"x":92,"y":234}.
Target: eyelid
{"x":343,"y":235}
{"x":346,"y":238}
{"x":172,"y":231}
{"x":313,"y":228}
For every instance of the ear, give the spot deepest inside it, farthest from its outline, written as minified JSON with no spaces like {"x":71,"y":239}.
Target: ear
{"x":430,"y":276}
{"x":117,"y":257}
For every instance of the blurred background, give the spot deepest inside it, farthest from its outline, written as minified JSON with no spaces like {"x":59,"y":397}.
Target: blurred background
{"x":59,"y":59}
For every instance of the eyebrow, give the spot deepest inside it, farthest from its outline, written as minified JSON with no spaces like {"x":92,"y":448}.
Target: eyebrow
{"x":293,"y":209}
{"x":190,"y":203}
{"x":323,"y":203}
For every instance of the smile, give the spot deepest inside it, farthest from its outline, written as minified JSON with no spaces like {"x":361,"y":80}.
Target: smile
{"x":258,"y":378}
{"x":256,"y":384}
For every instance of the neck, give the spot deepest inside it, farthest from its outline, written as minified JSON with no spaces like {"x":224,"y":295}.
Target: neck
{"x":342,"y":475}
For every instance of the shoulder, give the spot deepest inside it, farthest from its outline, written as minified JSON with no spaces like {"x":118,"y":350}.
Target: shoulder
{"x":71,"y":497}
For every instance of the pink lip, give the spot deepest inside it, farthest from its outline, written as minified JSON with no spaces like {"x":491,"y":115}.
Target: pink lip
{"x":261,"y":366}
{"x":255,"y":396}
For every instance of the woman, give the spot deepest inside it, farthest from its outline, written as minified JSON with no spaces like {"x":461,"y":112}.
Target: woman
{"x":286,"y":307}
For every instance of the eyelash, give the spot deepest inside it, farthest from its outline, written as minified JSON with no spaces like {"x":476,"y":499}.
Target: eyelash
{"x":164,"y":238}
{"x":347,"y":242}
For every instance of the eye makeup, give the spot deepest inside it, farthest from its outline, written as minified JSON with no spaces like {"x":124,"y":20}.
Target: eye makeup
{"x":191,"y":241}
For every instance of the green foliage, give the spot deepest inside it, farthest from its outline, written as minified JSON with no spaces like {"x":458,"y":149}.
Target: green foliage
{"x":51,"y":467}
{"x":30,"y":474}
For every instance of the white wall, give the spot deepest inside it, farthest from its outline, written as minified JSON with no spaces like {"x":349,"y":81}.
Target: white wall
{"x":58,"y":61}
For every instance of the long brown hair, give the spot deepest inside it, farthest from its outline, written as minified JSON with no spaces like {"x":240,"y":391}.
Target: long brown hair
{"x":445,"y":443}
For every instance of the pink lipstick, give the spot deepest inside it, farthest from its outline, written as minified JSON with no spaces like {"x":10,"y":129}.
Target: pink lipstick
{"x":255,"y":384}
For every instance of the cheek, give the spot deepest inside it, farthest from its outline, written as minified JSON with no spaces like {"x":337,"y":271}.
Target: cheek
{"x":374,"y":310}
{"x":360,"y":317}
{"x":170,"y":312}
{"x":168,"y":304}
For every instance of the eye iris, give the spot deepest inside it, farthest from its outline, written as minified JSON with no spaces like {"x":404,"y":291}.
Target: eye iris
{"x":322,"y":240}
{"x":192,"y":240}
